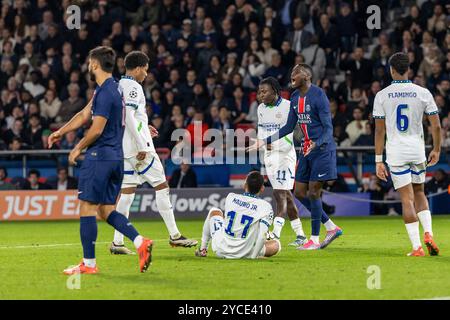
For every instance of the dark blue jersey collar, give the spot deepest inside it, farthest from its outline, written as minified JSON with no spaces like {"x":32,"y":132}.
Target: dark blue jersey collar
{"x":401,"y":81}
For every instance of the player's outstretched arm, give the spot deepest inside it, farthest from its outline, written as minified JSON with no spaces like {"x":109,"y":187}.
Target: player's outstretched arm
{"x":380,"y":132}
{"x":433,"y":158}
{"x":94,"y":132}
{"x":76,"y":122}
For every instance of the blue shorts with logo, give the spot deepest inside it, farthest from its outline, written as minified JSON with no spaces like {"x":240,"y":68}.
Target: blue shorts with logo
{"x":100,"y":181}
{"x":317,"y":166}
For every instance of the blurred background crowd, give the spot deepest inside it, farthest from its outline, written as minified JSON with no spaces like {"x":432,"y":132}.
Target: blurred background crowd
{"x":208,"y":56}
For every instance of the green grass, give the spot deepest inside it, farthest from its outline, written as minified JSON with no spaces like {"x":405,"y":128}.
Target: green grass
{"x":338,"y":272}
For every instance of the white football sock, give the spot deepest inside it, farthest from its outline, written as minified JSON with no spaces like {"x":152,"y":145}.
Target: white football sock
{"x":123,"y":207}
{"x":315,"y":239}
{"x":329,"y":225}
{"x":206,"y":234}
{"x":89,"y":263}
{"x":138,"y":241}
{"x":165,"y":210}
{"x":413,"y":233}
{"x":297,"y":227}
{"x":425,"y":221}
{"x":278,"y":224}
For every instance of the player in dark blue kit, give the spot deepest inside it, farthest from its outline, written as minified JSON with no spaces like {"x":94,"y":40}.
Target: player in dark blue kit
{"x":310,"y":109}
{"x":102,"y":169}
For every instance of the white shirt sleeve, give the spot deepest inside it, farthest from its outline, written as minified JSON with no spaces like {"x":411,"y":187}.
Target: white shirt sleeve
{"x":378,"y":110}
{"x":430,"y":104}
{"x":132,"y":126}
{"x":131,"y":96}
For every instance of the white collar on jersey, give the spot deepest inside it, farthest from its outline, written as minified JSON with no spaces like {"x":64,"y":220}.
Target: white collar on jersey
{"x":248,"y":194}
{"x":128,"y":77}
{"x":401,"y":81}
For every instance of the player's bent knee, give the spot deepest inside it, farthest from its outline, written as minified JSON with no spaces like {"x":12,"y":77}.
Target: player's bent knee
{"x":272,"y":247}
{"x":215,"y":212}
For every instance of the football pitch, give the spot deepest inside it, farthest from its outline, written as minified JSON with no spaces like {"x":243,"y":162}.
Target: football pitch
{"x":372,"y":251}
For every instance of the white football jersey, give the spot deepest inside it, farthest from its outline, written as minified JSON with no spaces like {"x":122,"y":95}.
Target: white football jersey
{"x":134,"y":98}
{"x":271,"y":119}
{"x":243,"y":216}
{"x":402,"y":105}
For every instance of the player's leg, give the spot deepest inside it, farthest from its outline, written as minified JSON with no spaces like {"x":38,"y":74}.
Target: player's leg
{"x":272,"y":247}
{"x":424,"y":215}
{"x":119,"y":222}
{"x":153,"y":173}
{"x":294,"y":218}
{"x":213,"y":221}
{"x":410,"y":218}
{"x":126,"y":199}
{"x":88,"y":236}
{"x":281,"y":205}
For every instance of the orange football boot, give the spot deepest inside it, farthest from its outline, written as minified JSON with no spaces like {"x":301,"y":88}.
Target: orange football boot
{"x":145,"y":254}
{"x":417,"y":253}
{"x":81,"y":269}
{"x":432,"y":247}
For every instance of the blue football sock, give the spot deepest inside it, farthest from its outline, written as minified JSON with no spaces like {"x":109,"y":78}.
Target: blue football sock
{"x":88,"y":235}
{"x":325,"y":217}
{"x":123,"y":225}
{"x":306,"y":203}
{"x":316,"y":214}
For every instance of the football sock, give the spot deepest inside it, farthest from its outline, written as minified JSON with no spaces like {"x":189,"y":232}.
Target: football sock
{"x":296,"y":225}
{"x":123,"y":207}
{"x":324,"y":219}
{"x":413,"y":233}
{"x":315,"y":239}
{"x":123,"y":225}
{"x":165,"y":210}
{"x":425,"y":221}
{"x":278,"y":224}
{"x":138,"y":241}
{"x":316,"y":214}
{"x":89,"y":263}
{"x":306,"y":203}
{"x":88,"y":235}
{"x":206,"y":234}
{"x":329,"y":225}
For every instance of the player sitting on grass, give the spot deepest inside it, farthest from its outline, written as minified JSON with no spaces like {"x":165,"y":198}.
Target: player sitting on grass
{"x":241,"y":231}
{"x":102,"y":170}
{"x":141,"y":162}
{"x":398,"y":111}
{"x":279,"y":158}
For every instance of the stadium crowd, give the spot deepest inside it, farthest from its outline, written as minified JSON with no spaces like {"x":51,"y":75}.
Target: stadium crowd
{"x":208,"y":56}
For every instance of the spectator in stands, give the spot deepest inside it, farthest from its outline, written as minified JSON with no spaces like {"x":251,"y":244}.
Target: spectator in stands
{"x":184,"y":177}
{"x":70,"y":106}
{"x":346,"y":25}
{"x":377,"y":193}
{"x":438,"y":183}
{"x":16,"y":131}
{"x":299,"y":37}
{"x":64,"y":181}
{"x":32,"y":182}
{"x":360,"y":67}
{"x":224,"y":122}
{"x":315,"y":57}
{"x":4,"y":184}
{"x":276,"y":69}
{"x":357,"y":127}
{"x":34,"y":86}
{"x":367,"y":138}
{"x":33,"y":134}
{"x":239,"y":105}
{"x":50,"y":105}
{"x":328,"y":39}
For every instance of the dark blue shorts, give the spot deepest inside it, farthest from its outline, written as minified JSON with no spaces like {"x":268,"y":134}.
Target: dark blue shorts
{"x":317,"y":166}
{"x":100,"y":181}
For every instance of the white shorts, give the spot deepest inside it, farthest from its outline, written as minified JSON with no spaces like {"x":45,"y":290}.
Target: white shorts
{"x":217,"y":230}
{"x":406,"y":174}
{"x":148,"y":170}
{"x":280,"y":168}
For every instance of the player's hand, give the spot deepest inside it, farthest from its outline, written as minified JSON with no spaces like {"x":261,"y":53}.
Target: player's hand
{"x":310,"y":148}
{"x":433,"y":158}
{"x":54,"y":137}
{"x":153,"y":132}
{"x":256,"y":144}
{"x":141,"y":155}
{"x":73,"y":155}
{"x":381,"y":171}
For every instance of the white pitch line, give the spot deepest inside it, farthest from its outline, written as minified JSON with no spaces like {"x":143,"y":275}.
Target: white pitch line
{"x":436,"y":298}
{"x":55,"y":245}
